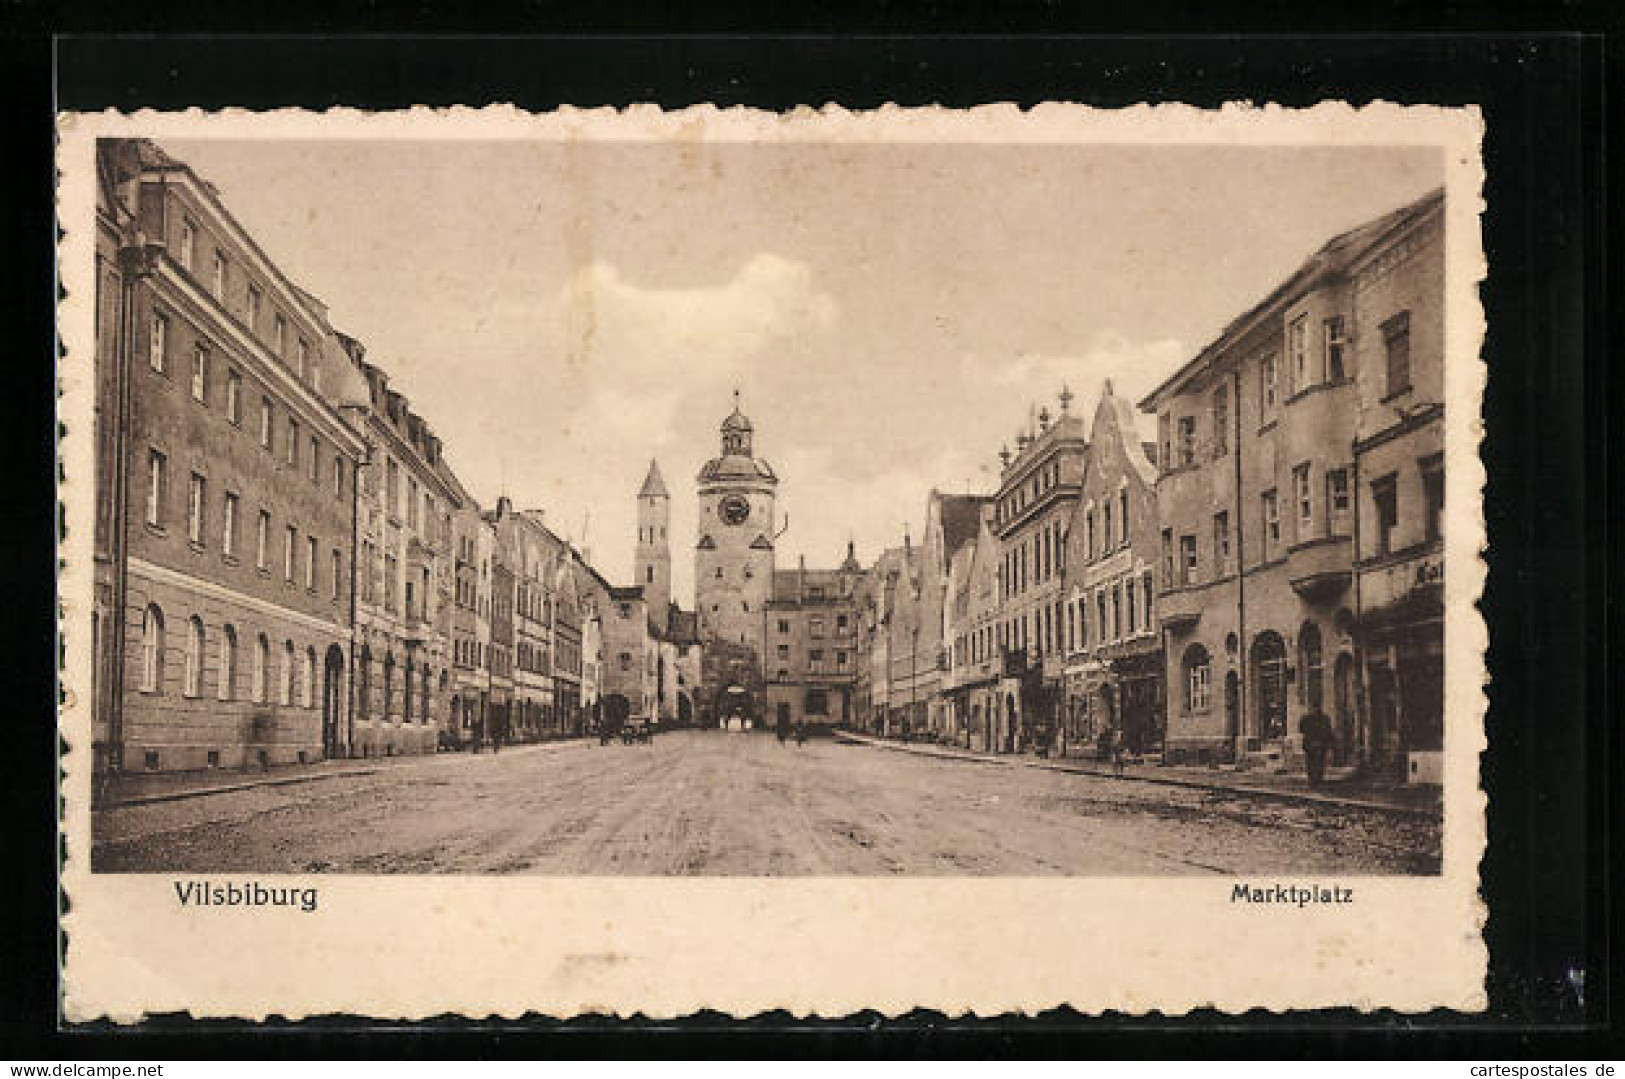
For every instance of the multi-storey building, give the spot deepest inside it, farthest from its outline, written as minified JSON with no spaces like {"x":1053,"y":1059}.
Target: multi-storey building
{"x":812,"y":644}
{"x":921,"y":617}
{"x":1398,"y":483}
{"x":473,"y":542}
{"x":541,"y":570}
{"x":882,"y":589}
{"x":405,"y":585}
{"x":631,"y":657}
{"x":501,"y":536}
{"x":1114,"y":664}
{"x":224,"y":487}
{"x":592,"y":596}
{"x":1256,"y":494}
{"x":975,"y":662}
{"x":1038,"y":491}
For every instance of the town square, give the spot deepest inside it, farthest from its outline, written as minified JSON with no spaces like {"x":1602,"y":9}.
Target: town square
{"x":488,"y":554}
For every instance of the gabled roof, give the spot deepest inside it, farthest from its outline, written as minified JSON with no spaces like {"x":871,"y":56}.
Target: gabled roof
{"x":654,"y":486}
{"x":1333,"y":259}
{"x":961,"y":517}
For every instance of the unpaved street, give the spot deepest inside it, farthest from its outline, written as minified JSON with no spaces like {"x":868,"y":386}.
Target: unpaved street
{"x":699,"y":803}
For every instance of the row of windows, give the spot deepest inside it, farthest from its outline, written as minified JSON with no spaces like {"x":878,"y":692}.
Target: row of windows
{"x":1032,"y":561}
{"x":1113,"y":534}
{"x":815,"y":625}
{"x":415,"y":687}
{"x":293,"y":350}
{"x":199,"y":534}
{"x":467,"y":652}
{"x":1307,"y":367}
{"x":1119,"y":611}
{"x":1269,"y":655}
{"x":422,"y":513}
{"x":203,"y":383}
{"x":815,"y":657}
{"x":289,"y":669}
{"x":1036,"y":486}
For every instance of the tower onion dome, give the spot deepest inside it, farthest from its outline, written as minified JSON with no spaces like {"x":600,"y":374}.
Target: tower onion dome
{"x":737,"y":461}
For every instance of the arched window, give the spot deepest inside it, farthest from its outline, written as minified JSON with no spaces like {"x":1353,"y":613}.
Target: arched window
{"x":192,"y":684}
{"x":1269,"y":683}
{"x":1309,"y":662}
{"x":285,"y":685}
{"x":227,"y":688}
{"x":363,"y":675}
{"x":152,"y":649}
{"x":1198,"y":679}
{"x":310,"y":677}
{"x":262,"y":664}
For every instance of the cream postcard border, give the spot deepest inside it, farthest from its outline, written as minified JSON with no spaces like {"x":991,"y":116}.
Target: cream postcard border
{"x":416,"y":947}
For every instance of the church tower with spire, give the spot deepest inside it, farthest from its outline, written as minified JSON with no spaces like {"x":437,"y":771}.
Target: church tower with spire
{"x":651,"y":558}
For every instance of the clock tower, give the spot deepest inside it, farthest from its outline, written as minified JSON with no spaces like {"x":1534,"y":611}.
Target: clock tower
{"x":733,"y":555}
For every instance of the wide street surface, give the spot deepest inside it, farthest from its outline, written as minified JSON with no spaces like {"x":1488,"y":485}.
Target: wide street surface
{"x":705,"y":802}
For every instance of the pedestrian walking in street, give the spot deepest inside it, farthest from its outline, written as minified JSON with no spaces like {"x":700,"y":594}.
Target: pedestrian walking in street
{"x":782,"y":729}
{"x":1316,"y":728}
{"x":801,"y":732}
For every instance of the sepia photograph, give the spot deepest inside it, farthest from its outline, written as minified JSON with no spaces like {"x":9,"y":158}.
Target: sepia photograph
{"x":694,"y":505}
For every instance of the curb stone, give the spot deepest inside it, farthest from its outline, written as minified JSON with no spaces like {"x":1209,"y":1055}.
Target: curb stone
{"x":1166,"y":780}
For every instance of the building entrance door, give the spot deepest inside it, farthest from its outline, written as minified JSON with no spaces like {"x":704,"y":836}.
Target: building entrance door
{"x":332,"y":701}
{"x":1269,"y":684}
{"x":1343,"y":707}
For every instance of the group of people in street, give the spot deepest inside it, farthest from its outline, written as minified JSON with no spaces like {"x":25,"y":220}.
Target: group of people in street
{"x":785,"y":730}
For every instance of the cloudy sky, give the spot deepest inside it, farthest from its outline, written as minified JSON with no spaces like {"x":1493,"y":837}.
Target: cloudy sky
{"x":562,"y":312}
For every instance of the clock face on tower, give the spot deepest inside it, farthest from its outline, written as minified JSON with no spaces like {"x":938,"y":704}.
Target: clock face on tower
{"x":734,"y":510}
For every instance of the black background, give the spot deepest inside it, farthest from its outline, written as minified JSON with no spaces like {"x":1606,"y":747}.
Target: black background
{"x":1552,"y":728}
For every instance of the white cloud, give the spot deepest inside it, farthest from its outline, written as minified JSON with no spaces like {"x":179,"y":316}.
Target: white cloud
{"x":670,"y":334}
{"x":1135,"y":367}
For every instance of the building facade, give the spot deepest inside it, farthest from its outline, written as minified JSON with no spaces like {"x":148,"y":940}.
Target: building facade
{"x":976,"y":663}
{"x":1113,"y":641}
{"x":1256,"y":492}
{"x":1033,"y":508}
{"x":813,"y":636}
{"x":225,"y":488}
{"x":1399,"y":490}
{"x":405,"y":582}
{"x":473,"y":544}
